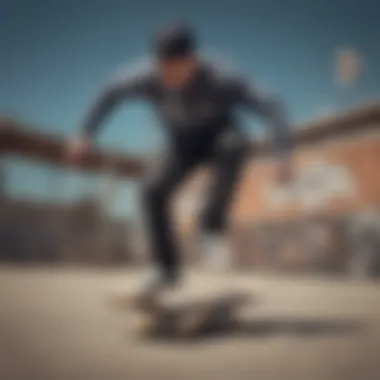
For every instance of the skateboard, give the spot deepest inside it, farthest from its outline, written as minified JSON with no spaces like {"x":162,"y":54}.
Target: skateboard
{"x":185,"y":318}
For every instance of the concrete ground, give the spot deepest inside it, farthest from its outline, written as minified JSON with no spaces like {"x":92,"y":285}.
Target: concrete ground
{"x":56,"y":325}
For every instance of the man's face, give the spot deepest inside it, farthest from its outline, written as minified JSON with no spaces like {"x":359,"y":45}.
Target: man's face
{"x":175,"y":73}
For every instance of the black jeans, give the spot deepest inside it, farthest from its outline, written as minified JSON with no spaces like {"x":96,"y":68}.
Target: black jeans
{"x":225,"y":152}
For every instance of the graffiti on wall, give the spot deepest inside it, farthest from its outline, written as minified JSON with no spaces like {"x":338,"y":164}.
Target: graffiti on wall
{"x":363,"y":239}
{"x":302,"y":243}
{"x":321,"y":243}
{"x":314,"y":186}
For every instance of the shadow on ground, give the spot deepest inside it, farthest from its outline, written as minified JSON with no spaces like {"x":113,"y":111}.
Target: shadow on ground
{"x":265,"y":328}
{"x":218,"y":318}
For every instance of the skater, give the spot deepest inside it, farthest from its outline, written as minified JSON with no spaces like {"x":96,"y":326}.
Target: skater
{"x":196,"y":102}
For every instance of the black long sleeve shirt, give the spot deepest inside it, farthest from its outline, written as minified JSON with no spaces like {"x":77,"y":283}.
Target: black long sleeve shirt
{"x":210,"y":98}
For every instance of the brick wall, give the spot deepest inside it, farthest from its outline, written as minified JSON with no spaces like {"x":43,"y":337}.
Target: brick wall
{"x":302,"y":225}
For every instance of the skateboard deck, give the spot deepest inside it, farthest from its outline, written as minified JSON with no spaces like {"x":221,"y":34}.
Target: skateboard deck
{"x":189,"y":317}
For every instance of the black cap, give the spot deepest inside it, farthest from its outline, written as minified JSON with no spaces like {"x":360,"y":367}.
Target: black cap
{"x":175,"y":41}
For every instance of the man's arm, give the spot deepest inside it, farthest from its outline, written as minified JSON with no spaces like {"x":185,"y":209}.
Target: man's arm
{"x":133,"y":86}
{"x":272,"y":112}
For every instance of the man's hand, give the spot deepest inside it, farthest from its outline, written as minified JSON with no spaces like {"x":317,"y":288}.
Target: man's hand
{"x":76,"y":149}
{"x":284,"y":173}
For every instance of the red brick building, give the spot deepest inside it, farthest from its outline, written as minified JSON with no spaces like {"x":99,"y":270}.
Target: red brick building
{"x":336,"y":189}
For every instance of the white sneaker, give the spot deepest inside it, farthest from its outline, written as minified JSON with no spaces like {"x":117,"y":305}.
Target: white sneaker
{"x":154,"y":283}
{"x":216,"y":252}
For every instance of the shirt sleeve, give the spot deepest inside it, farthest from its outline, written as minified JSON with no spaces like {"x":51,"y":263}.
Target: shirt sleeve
{"x":129,"y":87}
{"x":270,"y":109}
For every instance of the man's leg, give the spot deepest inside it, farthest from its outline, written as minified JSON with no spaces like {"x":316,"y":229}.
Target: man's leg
{"x":158,"y":189}
{"x":228,"y":160}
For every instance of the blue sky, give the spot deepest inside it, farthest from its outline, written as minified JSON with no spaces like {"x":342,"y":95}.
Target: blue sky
{"x":56,"y":54}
